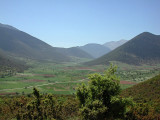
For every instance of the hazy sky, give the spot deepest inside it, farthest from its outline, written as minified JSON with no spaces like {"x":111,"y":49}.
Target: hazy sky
{"x":66,"y":23}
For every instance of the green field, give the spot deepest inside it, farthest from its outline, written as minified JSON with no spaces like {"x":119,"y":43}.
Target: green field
{"x":64,"y":78}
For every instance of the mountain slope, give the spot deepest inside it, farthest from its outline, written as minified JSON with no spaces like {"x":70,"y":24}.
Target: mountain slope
{"x":74,"y":51}
{"x":142,"y":49}
{"x":22,"y":44}
{"x":96,"y":50}
{"x":146,"y":95}
{"x":144,"y":91}
{"x":114,"y":44}
{"x":8,"y":26}
{"x":8,"y":64}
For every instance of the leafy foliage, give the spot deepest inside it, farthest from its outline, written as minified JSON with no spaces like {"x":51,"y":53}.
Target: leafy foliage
{"x":38,"y":106}
{"x":100,"y":100}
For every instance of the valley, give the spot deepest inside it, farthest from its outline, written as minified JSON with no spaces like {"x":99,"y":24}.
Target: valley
{"x":79,"y":60}
{"x":63,"y":78}
{"x":38,"y":80}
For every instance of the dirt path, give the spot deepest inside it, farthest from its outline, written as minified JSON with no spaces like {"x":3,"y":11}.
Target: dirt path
{"x":43,"y":85}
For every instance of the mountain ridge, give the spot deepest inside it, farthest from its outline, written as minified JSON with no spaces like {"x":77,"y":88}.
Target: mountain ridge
{"x":19,"y":43}
{"x":114,"y":44}
{"x":95,"y":50}
{"x":7,"y":26}
{"x":75,"y":52}
{"x":142,"y":49}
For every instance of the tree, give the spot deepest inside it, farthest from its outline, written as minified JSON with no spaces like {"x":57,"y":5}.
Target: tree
{"x":40,"y":108}
{"x":100,"y":100}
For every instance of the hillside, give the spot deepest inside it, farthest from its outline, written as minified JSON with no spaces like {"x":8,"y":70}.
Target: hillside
{"x":114,"y":44}
{"x":74,"y":51}
{"x":142,"y":49}
{"x":96,"y":50}
{"x":145,"y":91}
{"x":19,"y":43}
{"x":146,"y":96}
{"x":9,"y":64}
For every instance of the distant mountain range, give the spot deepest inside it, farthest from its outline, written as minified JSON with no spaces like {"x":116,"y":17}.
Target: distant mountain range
{"x":18,"y":43}
{"x":96,"y":50}
{"x":142,"y":49}
{"x":114,"y":44}
{"x":75,"y":52}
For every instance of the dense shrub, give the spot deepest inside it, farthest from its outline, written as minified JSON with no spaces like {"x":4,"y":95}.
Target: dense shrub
{"x":100,"y":100}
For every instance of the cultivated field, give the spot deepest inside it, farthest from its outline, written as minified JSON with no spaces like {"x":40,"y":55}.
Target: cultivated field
{"x":64,"y":78}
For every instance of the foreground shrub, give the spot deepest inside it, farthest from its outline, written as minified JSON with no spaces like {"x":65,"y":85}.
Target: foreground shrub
{"x":100,"y":100}
{"x":48,"y":107}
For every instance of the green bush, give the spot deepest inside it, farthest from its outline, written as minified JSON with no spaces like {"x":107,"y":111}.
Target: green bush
{"x":100,"y":100}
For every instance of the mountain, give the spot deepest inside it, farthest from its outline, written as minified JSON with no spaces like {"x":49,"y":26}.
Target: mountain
{"x":8,"y":26}
{"x":96,"y":50}
{"x":142,"y":49}
{"x":114,"y":44}
{"x":10,"y":64}
{"x":18,"y":43}
{"x":74,"y":51}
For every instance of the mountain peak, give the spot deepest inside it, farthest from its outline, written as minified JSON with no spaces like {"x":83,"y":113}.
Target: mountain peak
{"x":96,"y":50}
{"x":146,"y":34}
{"x":114,"y":44}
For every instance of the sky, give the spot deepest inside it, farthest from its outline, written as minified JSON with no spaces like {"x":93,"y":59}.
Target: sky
{"x":67,"y":23}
